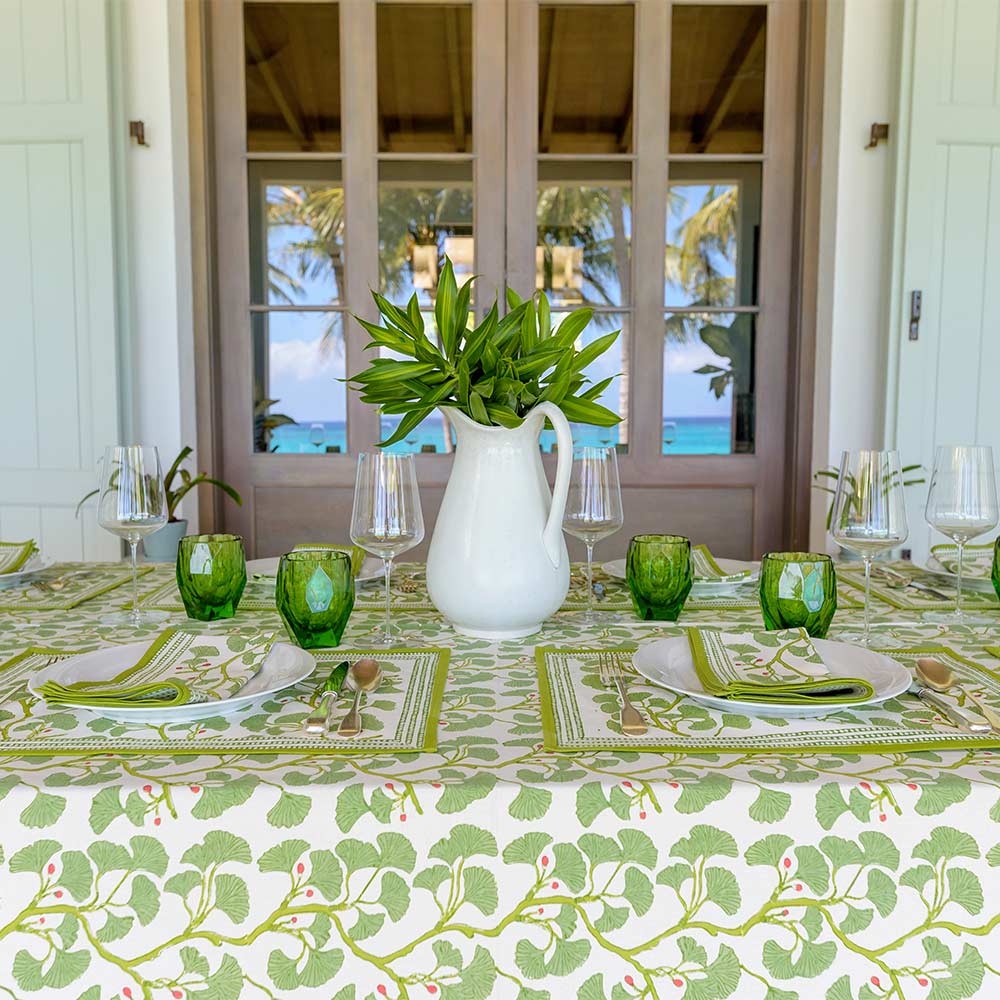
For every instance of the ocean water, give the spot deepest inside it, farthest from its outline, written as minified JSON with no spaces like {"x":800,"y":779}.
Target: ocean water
{"x":690,"y":436}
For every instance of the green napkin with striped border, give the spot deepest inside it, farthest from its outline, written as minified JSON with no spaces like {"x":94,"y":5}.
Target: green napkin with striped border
{"x":179,"y":668}
{"x":13,"y":555}
{"x":705,"y":569}
{"x":780,"y":667}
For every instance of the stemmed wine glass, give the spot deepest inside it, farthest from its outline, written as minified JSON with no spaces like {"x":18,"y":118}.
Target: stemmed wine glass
{"x":132,"y":505}
{"x":593,"y":510}
{"x":869,"y":512}
{"x":386,"y":519}
{"x":962,"y":504}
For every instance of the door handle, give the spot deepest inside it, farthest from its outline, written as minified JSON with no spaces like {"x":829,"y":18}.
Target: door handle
{"x":915,"y":304}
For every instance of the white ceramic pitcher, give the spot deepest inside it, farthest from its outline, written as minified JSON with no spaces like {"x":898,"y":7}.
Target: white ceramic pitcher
{"x":497,"y":565}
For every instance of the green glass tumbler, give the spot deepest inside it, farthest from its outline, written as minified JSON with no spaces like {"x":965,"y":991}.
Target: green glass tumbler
{"x":658,"y":570}
{"x":996,"y":567}
{"x":798,"y":590}
{"x":211,"y":575}
{"x":315,"y":595}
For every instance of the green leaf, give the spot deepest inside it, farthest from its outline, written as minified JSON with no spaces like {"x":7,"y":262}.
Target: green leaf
{"x":592,"y":989}
{"x":841,"y":852}
{"x":465,"y":841}
{"x":965,"y":889}
{"x":612,"y":918}
{"x":769,"y":851}
{"x":105,"y":808}
{"x":431,"y":878}
{"x":722,"y":977}
{"x":946,"y":843}
{"x":477,"y":979}
{"x":193,"y":961}
{"x":460,"y":795}
{"x":812,"y":869}
{"x":480,"y":889}
{"x":282,"y":857}
{"x":675,"y":875}
{"x":114,"y":928}
{"x":326,"y":874}
{"x":531,"y":802}
{"x":218,"y":847}
{"x":638,"y":848}
{"x":965,"y":980}
{"x":526,"y":849}
{"x":638,"y":890}
{"x":830,"y":805}
{"x":351,"y":806}
{"x":590,"y":802}
{"x":66,"y":967}
{"x":215,"y":800}
{"x":812,"y":923}
{"x":881,"y":891}
{"x":226,"y":983}
{"x":770,"y":806}
{"x":394,"y":896}
{"x":109,"y":857}
{"x":34,"y":857}
{"x":291,"y":809}
{"x":357,"y":855}
{"x":723,"y":889}
{"x":182,"y":883}
{"x":706,"y":842}
{"x":569,"y":867}
{"x":395,"y":851}
{"x":696,"y":796}
{"x":692,"y":953}
{"x":856,"y":920}
{"x":936,"y":794}
{"x":840,"y":990}
{"x":75,"y":875}
{"x":232,"y":897}
{"x":44,"y":810}
{"x":815,"y":958}
{"x":148,"y":855}
{"x":145,"y":899}
{"x":917,"y":877}
{"x":879,"y":850}
{"x":598,"y":849}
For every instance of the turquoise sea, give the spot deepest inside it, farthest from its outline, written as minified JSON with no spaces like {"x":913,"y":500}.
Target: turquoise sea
{"x":690,"y":436}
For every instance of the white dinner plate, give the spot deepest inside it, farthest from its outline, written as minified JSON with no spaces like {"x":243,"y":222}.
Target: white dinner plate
{"x":34,"y":565}
{"x":702,"y":588}
{"x":285,"y":665}
{"x":371,"y":568}
{"x":982,"y":584}
{"x":668,"y":663}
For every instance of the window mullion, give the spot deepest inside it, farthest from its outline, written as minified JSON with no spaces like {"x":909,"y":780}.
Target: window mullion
{"x":649,"y":203}
{"x":358,"y":85}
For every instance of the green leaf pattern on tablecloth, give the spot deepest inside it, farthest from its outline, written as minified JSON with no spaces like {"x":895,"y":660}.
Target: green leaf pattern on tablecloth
{"x":491,"y":868}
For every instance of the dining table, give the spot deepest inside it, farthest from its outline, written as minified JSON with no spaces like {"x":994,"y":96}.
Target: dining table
{"x":495,"y":857}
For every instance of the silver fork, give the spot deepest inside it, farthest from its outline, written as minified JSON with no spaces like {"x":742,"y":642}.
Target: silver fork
{"x":899,"y":581}
{"x":612,"y":675}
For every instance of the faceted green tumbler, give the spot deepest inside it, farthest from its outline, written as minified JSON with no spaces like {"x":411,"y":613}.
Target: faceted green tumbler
{"x":211,"y":575}
{"x":315,"y":595}
{"x":658,"y":570}
{"x":798,"y":590}
{"x":995,"y":575}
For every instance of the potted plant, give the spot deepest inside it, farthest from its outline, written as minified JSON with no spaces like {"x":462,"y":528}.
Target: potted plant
{"x":161,"y":546}
{"x":497,"y":564}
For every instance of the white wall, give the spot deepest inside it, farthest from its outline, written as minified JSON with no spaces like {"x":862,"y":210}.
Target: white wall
{"x":157,"y":331}
{"x":855,"y":263}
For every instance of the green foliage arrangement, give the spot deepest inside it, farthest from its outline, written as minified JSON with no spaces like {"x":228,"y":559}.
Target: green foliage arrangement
{"x":828,"y":478}
{"x":494,"y":372}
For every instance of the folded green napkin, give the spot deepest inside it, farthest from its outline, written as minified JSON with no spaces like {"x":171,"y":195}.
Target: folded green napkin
{"x":179,"y":668}
{"x":977,"y":562}
{"x":13,"y":555}
{"x":357,"y":554}
{"x":705,"y":569}
{"x":780,"y":667}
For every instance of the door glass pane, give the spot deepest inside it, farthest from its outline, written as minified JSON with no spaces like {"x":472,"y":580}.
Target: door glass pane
{"x":299,"y":406}
{"x":296,"y":234}
{"x":717,"y":78}
{"x":584,"y":216}
{"x":292,"y":53}
{"x":712,"y":232}
{"x":610,"y":363}
{"x":424,"y":78}
{"x":585,"y":55}
{"x":424,"y":214}
{"x":708,"y":384}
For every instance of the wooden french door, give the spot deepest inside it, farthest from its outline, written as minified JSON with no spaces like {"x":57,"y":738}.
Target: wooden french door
{"x":637,"y":157}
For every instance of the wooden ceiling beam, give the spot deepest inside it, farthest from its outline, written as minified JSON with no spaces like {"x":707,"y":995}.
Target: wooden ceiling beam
{"x":278,"y":87}
{"x":706,"y":124}
{"x":452,"y":40}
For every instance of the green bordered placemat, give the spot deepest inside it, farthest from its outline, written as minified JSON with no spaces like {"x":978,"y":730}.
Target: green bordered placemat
{"x":66,"y":585}
{"x":402,"y":716}
{"x":579,"y":714}
{"x":911,"y":599}
{"x":257,"y":596}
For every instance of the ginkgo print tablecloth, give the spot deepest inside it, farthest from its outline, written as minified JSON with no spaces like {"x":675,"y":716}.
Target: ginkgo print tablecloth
{"x":492,"y":868}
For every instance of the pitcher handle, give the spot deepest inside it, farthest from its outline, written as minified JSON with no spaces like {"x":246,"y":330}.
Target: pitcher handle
{"x":552,"y":535}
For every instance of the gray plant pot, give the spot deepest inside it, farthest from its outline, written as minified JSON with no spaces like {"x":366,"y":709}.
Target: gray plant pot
{"x":161,"y":546}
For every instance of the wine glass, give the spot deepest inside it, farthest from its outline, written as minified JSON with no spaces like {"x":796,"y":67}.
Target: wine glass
{"x":386,"y":519}
{"x":962,"y":504}
{"x":317,"y":435}
{"x":132,"y":506}
{"x":593,"y":510}
{"x":869,"y":512}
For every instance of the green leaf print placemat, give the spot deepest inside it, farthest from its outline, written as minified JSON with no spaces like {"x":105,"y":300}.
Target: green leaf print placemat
{"x":66,"y":585}
{"x":400,"y":717}
{"x":912,"y":599}
{"x":579,"y":714}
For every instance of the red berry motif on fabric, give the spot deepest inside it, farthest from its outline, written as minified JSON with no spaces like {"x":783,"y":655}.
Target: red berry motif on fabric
{"x":176,"y":994}
{"x":389,"y":785}
{"x":381,"y":989}
{"x":642,"y":815}
{"x":912,"y":786}
{"x":922,"y":981}
{"x":798,"y":886}
{"x":545,"y":861}
{"x":157,"y":821}
{"x":51,"y":868}
{"x":555,"y":885}
{"x":300,"y":868}
{"x":626,"y":784}
{"x":784,"y":913}
{"x":58,"y":893}
{"x":678,"y":982}
{"x":629,"y":981}
{"x":147,"y":789}
{"x":882,"y":818}
{"x":866,"y":786}
{"x":127,"y":992}
{"x":787,"y":862}
{"x":402,"y":817}
{"x":431,"y":988}
{"x":309,"y":894}
{"x":874,"y":981}
{"x":196,"y":789}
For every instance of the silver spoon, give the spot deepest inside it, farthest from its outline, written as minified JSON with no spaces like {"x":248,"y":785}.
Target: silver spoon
{"x":366,"y":675}
{"x":941,"y":677}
